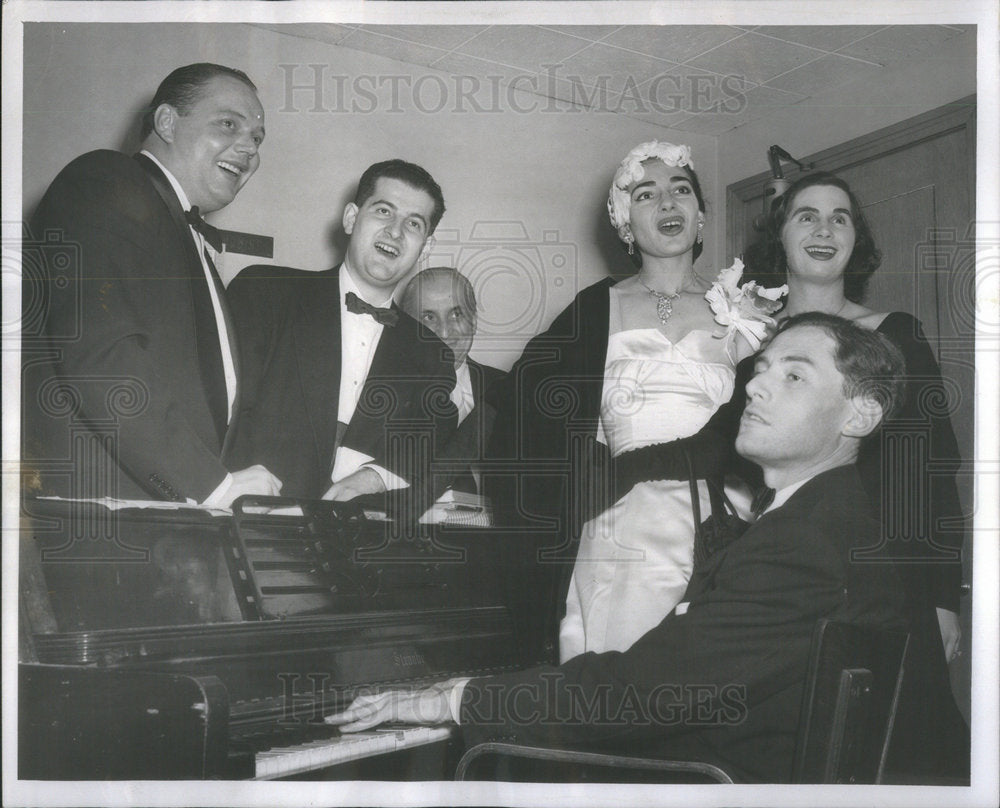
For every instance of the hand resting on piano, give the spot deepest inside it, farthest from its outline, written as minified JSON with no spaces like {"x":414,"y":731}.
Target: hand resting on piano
{"x":432,"y":705}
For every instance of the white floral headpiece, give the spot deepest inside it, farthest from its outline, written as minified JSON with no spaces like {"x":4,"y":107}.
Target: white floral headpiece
{"x":630,"y":170}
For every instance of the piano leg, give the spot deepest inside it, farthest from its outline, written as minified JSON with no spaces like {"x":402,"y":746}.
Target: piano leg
{"x":80,"y":723}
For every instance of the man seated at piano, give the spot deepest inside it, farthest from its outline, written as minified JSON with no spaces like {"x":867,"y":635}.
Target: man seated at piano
{"x":720,"y":679}
{"x":338,"y":378}
{"x":443,"y":299}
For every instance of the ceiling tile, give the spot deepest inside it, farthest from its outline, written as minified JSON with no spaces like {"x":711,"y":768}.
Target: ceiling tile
{"x":669,"y":120}
{"x":827,"y":71}
{"x":824,"y":37}
{"x":321,"y":32}
{"x":693,"y":90}
{"x":610,"y":67}
{"x":458,"y":64}
{"x":760,"y":102}
{"x":526,"y":46}
{"x":729,"y":75}
{"x":392,"y":48}
{"x":755,"y":57}
{"x":446,"y":37}
{"x":675,"y":43}
{"x":574,"y":94}
{"x":757,"y":102}
{"x":590,"y":32}
{"x":898,"y":42}
{"x":707,"y":124}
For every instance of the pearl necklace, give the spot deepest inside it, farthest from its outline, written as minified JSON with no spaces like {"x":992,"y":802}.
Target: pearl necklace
{"x":664,"y":302}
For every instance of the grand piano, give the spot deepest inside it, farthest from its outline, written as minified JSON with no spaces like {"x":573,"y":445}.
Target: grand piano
{"x":185,"y":644}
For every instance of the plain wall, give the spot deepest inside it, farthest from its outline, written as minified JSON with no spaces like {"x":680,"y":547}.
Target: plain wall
{"x":525,"y":192}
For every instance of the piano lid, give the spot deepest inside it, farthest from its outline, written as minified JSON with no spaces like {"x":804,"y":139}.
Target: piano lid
{"x":106,"y":588}
{"x":84,"y":567}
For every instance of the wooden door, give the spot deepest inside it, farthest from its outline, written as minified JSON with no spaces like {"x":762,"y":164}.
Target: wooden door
{"x":916,"y":181}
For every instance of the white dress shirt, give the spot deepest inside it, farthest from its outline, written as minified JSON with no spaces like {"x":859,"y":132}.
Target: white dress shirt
{"x":359,"y":336}
{"x":782,"y":496}
{"x":228,"y":367}
{"x":461,"y":395}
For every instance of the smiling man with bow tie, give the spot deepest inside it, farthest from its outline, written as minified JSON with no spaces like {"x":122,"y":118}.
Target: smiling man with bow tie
{"x":346,"y":394}
{"x":140,"y":338}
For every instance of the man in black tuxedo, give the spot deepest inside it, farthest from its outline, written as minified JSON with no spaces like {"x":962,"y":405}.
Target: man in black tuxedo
{"x":347,"y":395}
{"x":721,"y":677}
{"x":137,"y":390}
{"x":443,"y":300}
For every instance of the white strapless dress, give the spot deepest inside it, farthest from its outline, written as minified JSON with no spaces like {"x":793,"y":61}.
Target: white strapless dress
{"x":635,"y":559}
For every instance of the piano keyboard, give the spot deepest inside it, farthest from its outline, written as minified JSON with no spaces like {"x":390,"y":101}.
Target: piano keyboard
{"x":322,"y":752}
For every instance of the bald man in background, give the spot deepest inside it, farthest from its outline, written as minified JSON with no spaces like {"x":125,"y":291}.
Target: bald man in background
{"x":443,"y":299}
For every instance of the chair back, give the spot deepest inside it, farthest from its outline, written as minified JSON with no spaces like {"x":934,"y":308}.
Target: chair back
{"x":849,"y":703}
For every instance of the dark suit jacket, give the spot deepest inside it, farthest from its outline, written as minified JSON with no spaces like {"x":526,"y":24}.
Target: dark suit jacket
{"x":467,"y":447}
{"x":288,"y":321}
{"x":721,"y":681}
{"x":117,"y":285}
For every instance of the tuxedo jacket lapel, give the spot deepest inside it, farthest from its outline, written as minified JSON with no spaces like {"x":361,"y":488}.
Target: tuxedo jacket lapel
{"x":385,"y":368}
{"x":767,"y":528}
{"x":480,"y":421}
{"x":166,"y":192}
{"x":316,"y":330}
{"x":202,"y":311}
{"x":385,"y":362}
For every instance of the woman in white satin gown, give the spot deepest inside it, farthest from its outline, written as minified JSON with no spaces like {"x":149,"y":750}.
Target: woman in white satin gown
{"x":674,"y":339}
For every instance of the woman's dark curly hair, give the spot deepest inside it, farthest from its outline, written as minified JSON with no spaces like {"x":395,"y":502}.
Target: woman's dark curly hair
{"x":765,"y":259}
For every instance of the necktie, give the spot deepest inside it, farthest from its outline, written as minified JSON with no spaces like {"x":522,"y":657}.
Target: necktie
{"x":355,"y":305}
{"x":762,"y":501}
{"x":209,"y":233}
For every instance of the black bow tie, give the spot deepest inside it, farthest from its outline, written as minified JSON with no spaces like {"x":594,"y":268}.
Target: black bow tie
{"x":355,"y":305}
{"x":762,"y":501}
{"x":209,"y":233}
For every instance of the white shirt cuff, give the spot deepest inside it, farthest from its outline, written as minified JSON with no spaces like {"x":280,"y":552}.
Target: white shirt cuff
{"x":349,"y":461}
{"x":455,"y":698}
{"x":392,"y":482}
{"x":218,"y":498}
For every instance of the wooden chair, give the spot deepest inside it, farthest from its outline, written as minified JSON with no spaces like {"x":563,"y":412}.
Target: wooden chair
{"x":848,"y":708}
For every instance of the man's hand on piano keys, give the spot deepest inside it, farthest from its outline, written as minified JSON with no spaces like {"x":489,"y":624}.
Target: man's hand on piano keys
{"x":427,"y":706}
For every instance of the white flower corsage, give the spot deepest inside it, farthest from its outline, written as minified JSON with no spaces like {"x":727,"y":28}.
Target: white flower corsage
{"x":745,"y":309}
